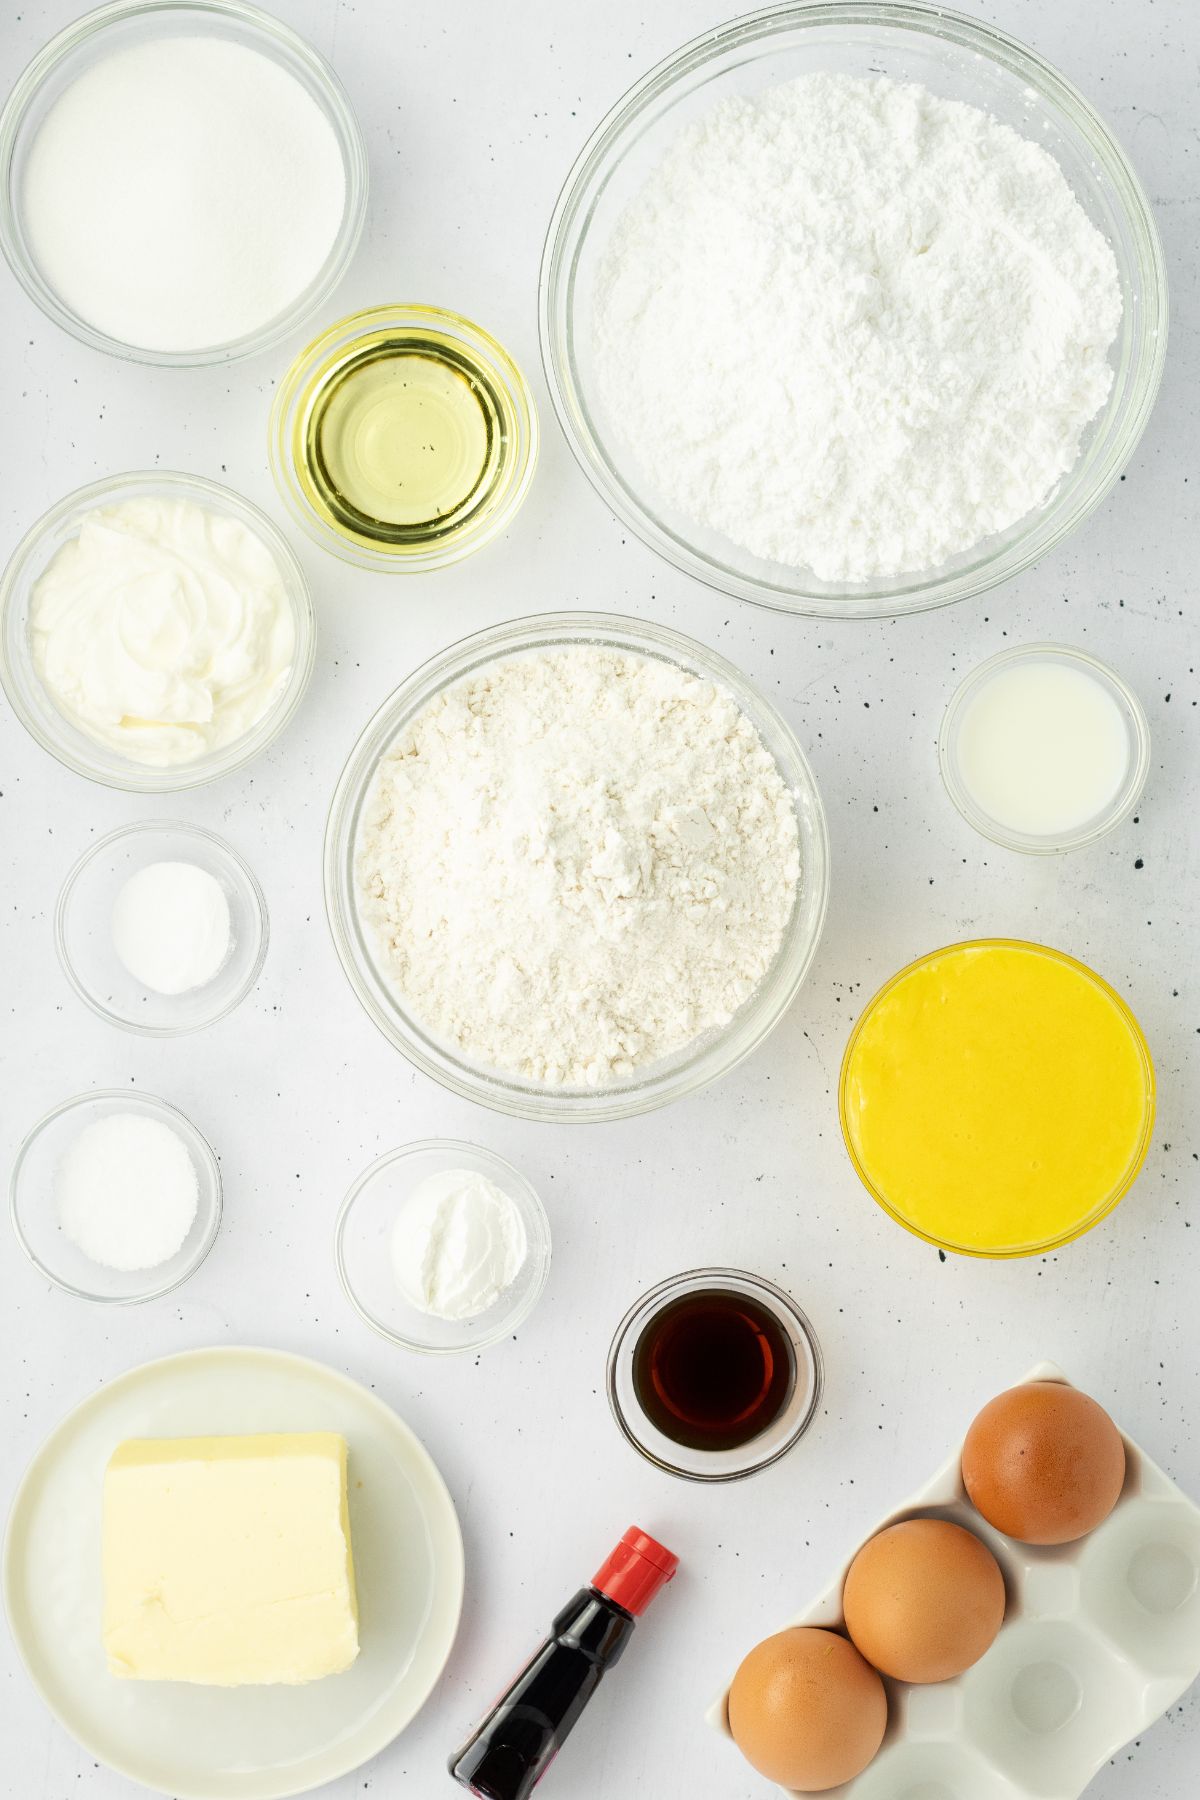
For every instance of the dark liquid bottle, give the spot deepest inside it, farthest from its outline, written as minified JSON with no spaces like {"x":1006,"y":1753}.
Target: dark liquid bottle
{"x":713,"y":1369}
{"x":515,"y":1744}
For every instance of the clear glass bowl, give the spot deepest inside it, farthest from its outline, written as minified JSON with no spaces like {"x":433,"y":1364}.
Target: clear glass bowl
{"x":489,"y":512}
{"x":36,"y":709}
{"x":1123,"y":801}
{"x":361,"y":1246}
{"x":1104,"y":1203}
{"x":116,"y":26}
{"x":761,"y":1451}
{"x":959,"y":58}
{"x":703,"y":1060}
{"x":83,"y":929}
{"x":34,"y":1210}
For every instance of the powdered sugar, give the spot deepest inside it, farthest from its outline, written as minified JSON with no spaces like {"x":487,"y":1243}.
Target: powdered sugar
{"x":578,"y":861}
{"x":855,"y":327}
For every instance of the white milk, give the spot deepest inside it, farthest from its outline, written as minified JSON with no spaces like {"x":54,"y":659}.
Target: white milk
{"x":1042,"y":747}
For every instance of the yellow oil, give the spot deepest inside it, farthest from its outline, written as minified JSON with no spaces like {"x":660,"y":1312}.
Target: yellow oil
{"x":401,"y":439}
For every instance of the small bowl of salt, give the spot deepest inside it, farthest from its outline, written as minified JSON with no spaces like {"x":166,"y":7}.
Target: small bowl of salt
{"x":115,"y":1197}
{"x":161,"y":928}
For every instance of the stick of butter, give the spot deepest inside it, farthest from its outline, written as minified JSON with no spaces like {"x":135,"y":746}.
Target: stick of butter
{"x":227,"y":1560}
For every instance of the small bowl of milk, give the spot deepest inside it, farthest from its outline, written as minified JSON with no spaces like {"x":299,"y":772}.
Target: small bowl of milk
{"x":1044,"y":748}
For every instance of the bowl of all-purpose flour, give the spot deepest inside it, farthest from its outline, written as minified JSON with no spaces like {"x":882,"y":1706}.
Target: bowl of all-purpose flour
{"x":576,"y":867}
{"x":853,"y":309}
{"x":180,"y":182}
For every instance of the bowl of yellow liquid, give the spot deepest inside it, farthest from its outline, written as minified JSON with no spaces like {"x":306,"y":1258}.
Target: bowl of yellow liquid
{"x":404,"y":437}
{"x":997,"y":1098}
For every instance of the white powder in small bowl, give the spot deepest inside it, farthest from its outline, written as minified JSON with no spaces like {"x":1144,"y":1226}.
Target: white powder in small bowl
{"x":171,"y":926}
{"x":127,"y":1192}
{"x":458,"y":1242}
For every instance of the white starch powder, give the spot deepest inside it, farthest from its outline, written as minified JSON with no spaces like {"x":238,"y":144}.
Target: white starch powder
{"x":577,"y":861}
{"x":854,"y":327}
{"x":183,"y":192}
{"x":457,"y":1244}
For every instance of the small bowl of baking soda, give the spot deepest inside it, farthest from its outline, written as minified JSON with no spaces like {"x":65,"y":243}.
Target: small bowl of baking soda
{"x":161,"y":928}
{"x":115,"y":1197}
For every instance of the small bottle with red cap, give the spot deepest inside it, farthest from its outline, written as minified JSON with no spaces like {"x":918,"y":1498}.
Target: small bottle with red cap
{"x":512,"y":1748}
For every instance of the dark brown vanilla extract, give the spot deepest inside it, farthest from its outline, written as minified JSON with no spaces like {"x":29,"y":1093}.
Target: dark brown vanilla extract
{"x":713,"y":1369}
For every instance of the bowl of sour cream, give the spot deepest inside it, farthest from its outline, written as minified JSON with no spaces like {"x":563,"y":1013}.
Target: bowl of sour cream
{"x":155,"y":631}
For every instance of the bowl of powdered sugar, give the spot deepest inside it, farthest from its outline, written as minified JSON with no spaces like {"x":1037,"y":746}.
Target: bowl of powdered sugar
{"x":853,"y":310}
{"x":181,"y":181}
{"x":576,"y":867}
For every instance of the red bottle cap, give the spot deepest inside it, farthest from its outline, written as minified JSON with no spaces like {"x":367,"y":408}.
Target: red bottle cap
{"x":635,"y":1571}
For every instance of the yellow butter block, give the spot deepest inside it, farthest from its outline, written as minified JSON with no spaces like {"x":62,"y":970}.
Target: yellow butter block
{"x":227,"y":1560}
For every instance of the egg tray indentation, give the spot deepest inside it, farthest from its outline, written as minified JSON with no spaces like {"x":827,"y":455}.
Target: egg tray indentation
{"x":1099,"y":1638}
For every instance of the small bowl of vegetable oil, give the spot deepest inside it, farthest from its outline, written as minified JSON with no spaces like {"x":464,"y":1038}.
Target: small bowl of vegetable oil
{"x":403,"y":438}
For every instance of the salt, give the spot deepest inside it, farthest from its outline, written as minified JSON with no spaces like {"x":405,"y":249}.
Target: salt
{"x":127,"y":1192}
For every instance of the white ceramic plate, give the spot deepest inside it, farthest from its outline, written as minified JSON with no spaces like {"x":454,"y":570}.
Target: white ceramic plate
{"x":264,"y":1743}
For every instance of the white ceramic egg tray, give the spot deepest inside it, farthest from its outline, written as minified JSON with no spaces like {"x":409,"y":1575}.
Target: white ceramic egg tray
{"x":1099,"y":1638}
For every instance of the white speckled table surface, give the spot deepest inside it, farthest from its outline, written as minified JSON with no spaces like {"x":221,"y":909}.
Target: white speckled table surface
{"x":473,"y":114}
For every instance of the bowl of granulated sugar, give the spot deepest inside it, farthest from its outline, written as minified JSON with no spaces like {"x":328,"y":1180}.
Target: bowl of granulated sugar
{"x":853,"y":310}
{"x":182,"y":182}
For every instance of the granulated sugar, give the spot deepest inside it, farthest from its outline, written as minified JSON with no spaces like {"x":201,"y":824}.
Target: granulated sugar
{"x":578,"y":861}
{"x":854,"y":327}
{"x":183,"y":192}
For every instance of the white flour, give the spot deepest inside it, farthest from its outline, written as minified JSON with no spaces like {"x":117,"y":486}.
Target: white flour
{"x":577,"y":861}
{"x":854,"y":327}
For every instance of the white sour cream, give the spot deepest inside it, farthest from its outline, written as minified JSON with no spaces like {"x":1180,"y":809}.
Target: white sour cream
{"x":163,"y":630}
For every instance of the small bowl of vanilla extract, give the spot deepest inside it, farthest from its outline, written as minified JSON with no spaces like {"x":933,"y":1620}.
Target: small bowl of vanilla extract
{"x":403,"y":438}
{"x":714,"y":1374}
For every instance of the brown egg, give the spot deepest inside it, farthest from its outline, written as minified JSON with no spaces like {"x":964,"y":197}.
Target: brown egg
{"x":1043,"y":1463}
{"x":806,"y":1710}
{"x":924,"y":1600}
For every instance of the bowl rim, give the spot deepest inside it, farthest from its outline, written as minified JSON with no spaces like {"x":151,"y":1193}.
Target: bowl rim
{"x":514,"y":637}
{"x":150,"y":778}
{"x":143,"y":828}
{"x":780,"y":1300}
{"x":195,"y":1140}
{"x":520,"y":463}
{"x":1103,"y":1208}
{"x":1030,"y":843}
{"x":334,"y":101}
{"x":923,"y":591}
{"x":517,"y":1186}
